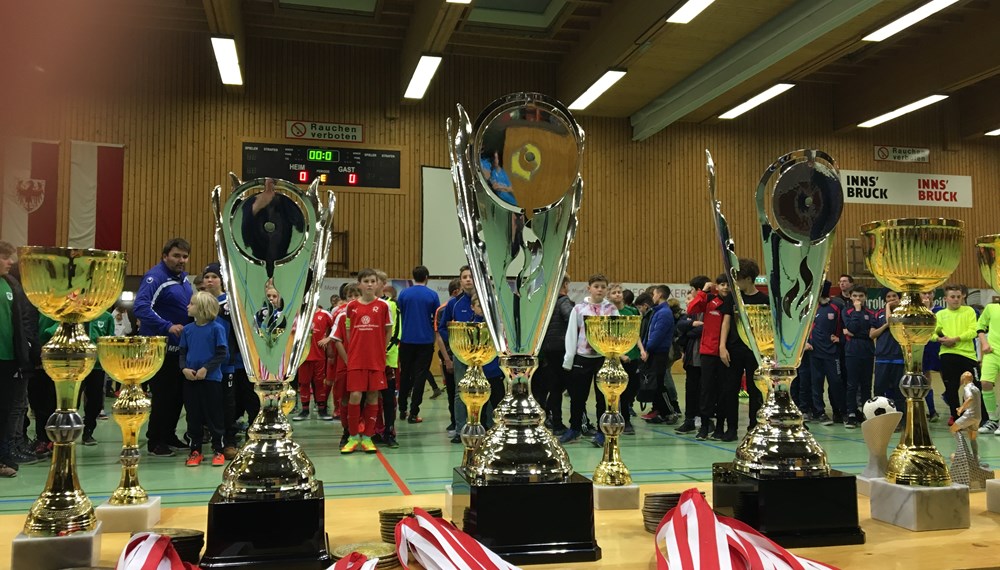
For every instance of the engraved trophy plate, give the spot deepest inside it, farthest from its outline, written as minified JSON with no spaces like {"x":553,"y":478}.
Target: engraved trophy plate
{"x":799,"y":202}
{"x":516,"y":174}
{"x":272,"y":239}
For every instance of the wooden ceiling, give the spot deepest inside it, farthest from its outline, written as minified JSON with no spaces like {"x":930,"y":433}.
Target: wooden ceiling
{"x":691,"y":72}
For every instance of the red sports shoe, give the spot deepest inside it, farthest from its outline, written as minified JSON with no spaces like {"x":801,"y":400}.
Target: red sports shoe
{"x":650,"y":416}
{"x":194,"y":459}
{"x":218,"y":460}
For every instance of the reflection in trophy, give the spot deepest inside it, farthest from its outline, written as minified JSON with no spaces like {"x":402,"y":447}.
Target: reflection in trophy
{"x":798,"y":215}
{"x":472,"y":344}
{"x":72,"y":286}
{"x":612,"y":336}
{"x":516,"y":175}
{"x":130,"y":360}
{"x":910,"y":256}
{"x":272,"y":239}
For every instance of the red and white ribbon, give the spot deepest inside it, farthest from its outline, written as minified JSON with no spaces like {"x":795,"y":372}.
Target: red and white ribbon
{"x":437,"y":545}
{"x":697,"y":539}
{"x":355,"y":561}
{"x":148,"y":551}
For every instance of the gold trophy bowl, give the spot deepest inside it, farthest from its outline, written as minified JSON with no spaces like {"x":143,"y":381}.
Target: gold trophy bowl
{"x":986,"y":252}
{"x":911,"y":255}
{"x":473,"y":345}
{"x":72,"y":286}
{"x":612,"y":336}
{"x":131,"y":360}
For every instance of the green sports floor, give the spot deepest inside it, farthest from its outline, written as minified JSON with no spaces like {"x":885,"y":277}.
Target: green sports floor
{"x":425,"y":458}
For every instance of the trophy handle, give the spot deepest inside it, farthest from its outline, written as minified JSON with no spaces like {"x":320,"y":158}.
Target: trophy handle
{"x":730,"y":261}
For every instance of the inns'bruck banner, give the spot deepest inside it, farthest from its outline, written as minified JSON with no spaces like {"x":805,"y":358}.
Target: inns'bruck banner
{"x":907,"y":188}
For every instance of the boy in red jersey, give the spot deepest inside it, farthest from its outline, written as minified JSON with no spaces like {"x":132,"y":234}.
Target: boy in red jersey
{"x":338,"y":377}
{"x":713,"y":306}
{"x":367,"y":336}
{"x":312,"y":372}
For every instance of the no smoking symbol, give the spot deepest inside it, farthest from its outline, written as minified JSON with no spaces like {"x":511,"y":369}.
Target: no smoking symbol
{"x":883,"y":152}
{"x":298,"y":129}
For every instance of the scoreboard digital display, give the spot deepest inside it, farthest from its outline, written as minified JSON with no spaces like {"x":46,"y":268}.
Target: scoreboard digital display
{"x":350,"y":167}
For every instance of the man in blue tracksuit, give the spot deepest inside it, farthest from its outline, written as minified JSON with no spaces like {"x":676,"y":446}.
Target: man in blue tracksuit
{"x":859,"y":354}
{"x":459,"y":309}
{"x":161,"y":308}
{"x":889,"y":365}
{"x":826,"y":335}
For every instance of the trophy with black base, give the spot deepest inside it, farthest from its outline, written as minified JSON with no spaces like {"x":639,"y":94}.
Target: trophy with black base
{"x":779,"y":466}
{"x":516,"y":174}
{"x":272,"y":239}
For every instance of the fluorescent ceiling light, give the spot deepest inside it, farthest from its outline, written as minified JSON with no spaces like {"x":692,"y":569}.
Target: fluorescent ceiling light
{"x":902,"y":111}
{"x":609,"y":78}
{"x":908,"y":20}
{"x":757,"y":100}
{"x":459,"y":1}
{"x":229,"y":62}
{"x":422,"y":76}
{"x":995,"y":133}
{"x":688,"y":11}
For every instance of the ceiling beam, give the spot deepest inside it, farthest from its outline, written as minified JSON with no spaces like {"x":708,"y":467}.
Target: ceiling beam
{"x":621,"y":30}
{"x":431,"y":26}
{"x":225,"y":18}
{"x":978,"y":109}
{"x":961,"y":55}
{"x":783,"y":35}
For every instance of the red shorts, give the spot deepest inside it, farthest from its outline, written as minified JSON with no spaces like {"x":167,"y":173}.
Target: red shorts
{"x":366,"y":380}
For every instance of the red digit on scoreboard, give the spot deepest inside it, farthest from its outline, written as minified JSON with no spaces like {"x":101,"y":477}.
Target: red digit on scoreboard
{"x":303,"y":176}
{"x":352,"y":178}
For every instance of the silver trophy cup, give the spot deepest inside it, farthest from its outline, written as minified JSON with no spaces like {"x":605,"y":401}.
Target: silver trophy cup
{"x":518,"y":185}
{"x":272,"y":239}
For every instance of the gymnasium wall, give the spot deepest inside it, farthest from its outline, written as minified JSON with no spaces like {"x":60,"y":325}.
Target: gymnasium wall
{"x":645,"y":215}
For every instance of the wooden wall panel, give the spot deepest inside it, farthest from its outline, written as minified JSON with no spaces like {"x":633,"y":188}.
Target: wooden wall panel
{"x":645,"y":215}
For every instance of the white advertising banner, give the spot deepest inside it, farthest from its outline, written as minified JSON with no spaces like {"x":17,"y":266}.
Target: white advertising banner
{"x":906,"y":188}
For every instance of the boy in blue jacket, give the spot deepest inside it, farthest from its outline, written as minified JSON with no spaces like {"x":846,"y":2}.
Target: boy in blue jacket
{"x":823,"y":342}
{"x":859,"y":353}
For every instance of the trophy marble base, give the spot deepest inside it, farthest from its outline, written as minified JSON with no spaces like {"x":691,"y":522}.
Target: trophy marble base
{"x":993,"y":495}
{"x":56,"y":552}
{"x":920,"y":508}
{"x":129,"y":518}
{"x":516,"y":520}
{"x":864,"y":485}
{"x":286,"y":534}
{"x":795,"y":513}
{"x":616,"y":498}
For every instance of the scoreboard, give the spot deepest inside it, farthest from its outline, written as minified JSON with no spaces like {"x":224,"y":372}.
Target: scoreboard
{"x":334,"y":166}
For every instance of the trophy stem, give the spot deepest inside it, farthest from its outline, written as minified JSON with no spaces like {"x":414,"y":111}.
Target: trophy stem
{"x":63,"y":507}
{"x":474,"y":389}
{"x":915,"y":461}
{"x":519,"y":448}
{"x":779,"y":420}
{"x":612,"y":381}
{"x":131,"y":410}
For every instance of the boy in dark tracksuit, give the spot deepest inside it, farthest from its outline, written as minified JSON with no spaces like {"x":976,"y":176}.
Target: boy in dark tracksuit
{"x":826,"y":335}
{"x":859,"y":353}
{"x":741,"y":361}
{"x":889,"y":366}
{"x":689,"y":331}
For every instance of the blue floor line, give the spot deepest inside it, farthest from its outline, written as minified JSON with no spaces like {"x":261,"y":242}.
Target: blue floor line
{"x":698,"y":441}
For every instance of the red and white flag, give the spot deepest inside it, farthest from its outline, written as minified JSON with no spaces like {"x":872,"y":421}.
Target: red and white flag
{"x":437,"y":545}
{"x":96,"y":185}
{"x":696,"y":539}
{"x":30,"y":184}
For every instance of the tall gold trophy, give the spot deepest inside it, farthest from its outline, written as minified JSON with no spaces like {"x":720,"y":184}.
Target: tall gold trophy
{"x":130,"y":360}
{"x":612,"y":336}
{"x":472,"y":344}
{"x":912,"y":255}
{"x":779,"y":465}
{"x":72,"y":286}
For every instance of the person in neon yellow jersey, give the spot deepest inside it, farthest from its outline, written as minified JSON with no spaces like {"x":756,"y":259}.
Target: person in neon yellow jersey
{"x":989,"y":342}
{"x":956,"y":331}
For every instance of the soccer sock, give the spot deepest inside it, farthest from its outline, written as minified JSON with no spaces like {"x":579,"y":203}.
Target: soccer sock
{"x":344,"y":413}
{"x":353,"y":418}
{"x":371,"y":410}
{"x":990,"y":398}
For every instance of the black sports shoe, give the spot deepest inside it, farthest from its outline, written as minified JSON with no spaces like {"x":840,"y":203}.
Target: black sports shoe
{"x":702,"y":434}
{"x":343,"y":439}
{"x":88,"y":439}
{"x":729,"y":436}
{"x":686,"y":427}
{"x":390,"y":441}
{"x":161,"y":451}
{"x":179,"y":444}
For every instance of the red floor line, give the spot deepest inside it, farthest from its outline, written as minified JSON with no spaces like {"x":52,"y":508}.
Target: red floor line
{"x":392,"y":473}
